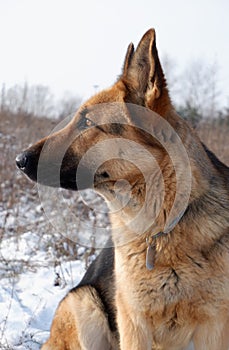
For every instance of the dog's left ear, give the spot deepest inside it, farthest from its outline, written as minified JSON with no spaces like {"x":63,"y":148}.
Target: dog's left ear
{"x":142,"y":72}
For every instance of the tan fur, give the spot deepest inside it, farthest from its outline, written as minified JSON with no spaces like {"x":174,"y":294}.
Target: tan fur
{"x":186,"y":296}
{"x":80,"y":324}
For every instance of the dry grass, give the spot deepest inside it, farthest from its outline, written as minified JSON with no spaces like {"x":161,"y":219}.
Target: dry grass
{"x":215,"y":135}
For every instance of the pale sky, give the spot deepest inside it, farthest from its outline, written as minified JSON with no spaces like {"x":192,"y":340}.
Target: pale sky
{"x":72,"y":45}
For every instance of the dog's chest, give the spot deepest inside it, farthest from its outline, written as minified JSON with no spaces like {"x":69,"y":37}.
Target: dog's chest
{"x":155,"y":290}
{"x":162,"y":301}
{"x":162,"y":282}
{"x":165,"y":295}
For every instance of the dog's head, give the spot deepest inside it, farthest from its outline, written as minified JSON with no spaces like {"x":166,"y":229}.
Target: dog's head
{"x":103,"y":117}
{"x":119,"y":139}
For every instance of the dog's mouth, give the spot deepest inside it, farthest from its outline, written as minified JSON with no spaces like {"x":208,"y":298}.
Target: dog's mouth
{"x":52,"y":177}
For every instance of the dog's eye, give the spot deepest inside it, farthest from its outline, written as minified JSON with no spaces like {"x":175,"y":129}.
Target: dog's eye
{"x":85,"y":123}
{"x":89,"y":122}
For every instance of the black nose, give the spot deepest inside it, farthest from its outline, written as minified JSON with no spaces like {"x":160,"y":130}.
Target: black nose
{"x":21,"y":161}
{"x":28,"y":162}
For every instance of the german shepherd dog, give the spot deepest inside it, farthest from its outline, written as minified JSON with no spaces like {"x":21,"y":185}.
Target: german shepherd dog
{"x":162,"y":280}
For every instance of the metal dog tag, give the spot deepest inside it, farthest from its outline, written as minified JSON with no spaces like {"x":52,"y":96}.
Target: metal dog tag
{"x":150,"y":256}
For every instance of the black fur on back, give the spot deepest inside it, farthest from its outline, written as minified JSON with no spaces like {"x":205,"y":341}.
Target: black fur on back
{"x":100,"y":275}
{"x":221,"y":167}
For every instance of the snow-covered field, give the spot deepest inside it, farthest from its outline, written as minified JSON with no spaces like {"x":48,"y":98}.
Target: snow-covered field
{"x":38,"y":267}
{"x":38,"y":264}
{"x":28,"y":302}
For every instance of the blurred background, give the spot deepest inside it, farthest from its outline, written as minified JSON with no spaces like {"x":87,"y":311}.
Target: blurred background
{"x":54,"y":55}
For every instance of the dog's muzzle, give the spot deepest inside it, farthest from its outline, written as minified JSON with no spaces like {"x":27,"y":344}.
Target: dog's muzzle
{"x":51,"y":173}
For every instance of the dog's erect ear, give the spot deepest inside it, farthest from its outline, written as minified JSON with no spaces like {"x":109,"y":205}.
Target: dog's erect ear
{"x":142,"y":71}
{"x":128,"y":58}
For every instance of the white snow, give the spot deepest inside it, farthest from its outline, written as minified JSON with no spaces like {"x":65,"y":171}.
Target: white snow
{"x":38,"y":266}
{"x":28,"y":300}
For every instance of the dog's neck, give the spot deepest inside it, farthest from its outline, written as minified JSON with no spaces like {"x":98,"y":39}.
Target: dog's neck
{"x":151,"y":240}
{"x":144,"y":212}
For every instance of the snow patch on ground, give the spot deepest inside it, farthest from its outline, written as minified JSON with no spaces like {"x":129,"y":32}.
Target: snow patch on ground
{"x":28,"y":303}
{"x":38,"y":266}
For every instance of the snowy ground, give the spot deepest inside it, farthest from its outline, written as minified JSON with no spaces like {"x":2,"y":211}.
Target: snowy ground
{"x":28,"y":302}
{"x":33,"y":281}
{"x":38,"y":265}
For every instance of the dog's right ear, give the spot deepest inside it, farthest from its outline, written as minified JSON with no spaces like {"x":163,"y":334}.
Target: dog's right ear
{"x":142,"y":73}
